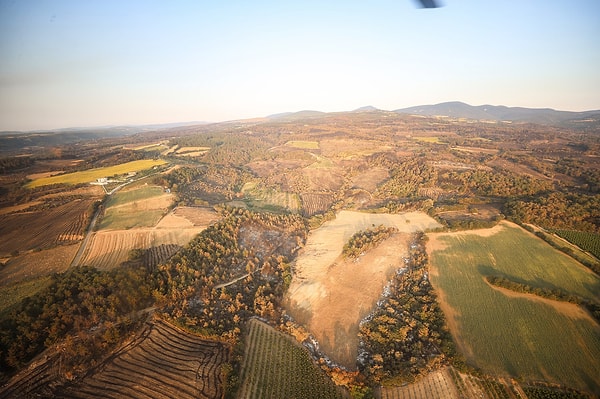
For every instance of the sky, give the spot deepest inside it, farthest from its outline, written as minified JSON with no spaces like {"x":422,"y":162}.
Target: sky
{"x":102,"y":62}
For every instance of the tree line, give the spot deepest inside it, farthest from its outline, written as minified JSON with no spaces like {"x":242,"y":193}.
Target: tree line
{"x":406,"y":336}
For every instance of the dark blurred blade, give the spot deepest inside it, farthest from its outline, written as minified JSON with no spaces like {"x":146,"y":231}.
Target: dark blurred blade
{"x":428,"y":3}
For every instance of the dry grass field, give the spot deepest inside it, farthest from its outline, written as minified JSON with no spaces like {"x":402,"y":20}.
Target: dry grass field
{"x":109,"y":248}
{"x":330,"y":294}
{"x":38,"y":263}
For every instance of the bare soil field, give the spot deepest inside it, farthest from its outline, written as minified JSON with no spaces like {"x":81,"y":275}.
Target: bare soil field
{"x":39,"y":263}
{"x":330,"y":294}
{"x":43,"y":229}
{"x":184,"y":216}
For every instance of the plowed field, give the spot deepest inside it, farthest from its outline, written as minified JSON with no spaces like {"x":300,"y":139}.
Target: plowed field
{"x":44,"y":228}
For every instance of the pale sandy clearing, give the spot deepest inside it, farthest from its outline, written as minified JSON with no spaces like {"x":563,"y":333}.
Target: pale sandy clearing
{"x":330,"y":294}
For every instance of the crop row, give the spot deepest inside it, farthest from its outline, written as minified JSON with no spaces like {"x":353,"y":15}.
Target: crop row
{"x":276,"y":367}
{"x":44,"y":229}
{"x":436,"y":385}
{"x":315,"y":203}
{"x":167,"y":363}
{"x":589,"y":242}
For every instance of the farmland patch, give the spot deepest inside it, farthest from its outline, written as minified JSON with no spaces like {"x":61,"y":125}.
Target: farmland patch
{"x":164,"y":362}
{"x":275,"y":366}
{"x":38,"y":263}
{"x":43,"y":229}
{"x":90,"y":175}
{"x":108,"y":249}
{"x":514,"y":335}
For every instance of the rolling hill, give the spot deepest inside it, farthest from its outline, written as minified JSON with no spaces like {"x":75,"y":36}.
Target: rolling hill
{"x":548,"y":116}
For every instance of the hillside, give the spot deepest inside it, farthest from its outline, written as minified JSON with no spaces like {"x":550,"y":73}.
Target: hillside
{"x":545,"y":116}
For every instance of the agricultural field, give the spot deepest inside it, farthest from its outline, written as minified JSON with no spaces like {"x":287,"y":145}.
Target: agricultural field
{"x":275,"y":366}
{"x":141,"y":207}
{"x":44,"y":228}
{"x":108,"y":249}
{"x":315,"y":203}
{"x":330,"y":294}
{"x":589,"y":242}
{"x":163,"y":362}
{"x":269,"y":199}
{"x":436,"y":385}
{"x":305,"y":145}
{"x":191,"y":151}
{"x":510,"y":334}
{"x":37,"y":263}
{"x":91,"y":175}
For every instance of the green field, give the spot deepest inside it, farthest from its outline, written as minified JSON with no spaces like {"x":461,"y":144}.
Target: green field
{"x":587,"y":241}
{"x":13,"y":294}
{"x":271,"y":200}
{"x":90,"y":175}
{"x":144,"y":192}
{"x":277,"y":367}
{"x":515,"y":335}
{"x":126,"y":210}
{"x":306,"y":145}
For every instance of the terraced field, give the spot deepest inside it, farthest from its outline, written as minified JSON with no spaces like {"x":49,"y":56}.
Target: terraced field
{"x":164,"y":363}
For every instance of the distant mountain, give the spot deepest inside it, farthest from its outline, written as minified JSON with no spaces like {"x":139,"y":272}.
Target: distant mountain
{"x":545,"y":116}
{"x":368,"y":108}
{"x":297,"y":115}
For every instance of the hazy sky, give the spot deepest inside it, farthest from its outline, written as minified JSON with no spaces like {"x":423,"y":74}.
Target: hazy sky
{"x":89,"y":63}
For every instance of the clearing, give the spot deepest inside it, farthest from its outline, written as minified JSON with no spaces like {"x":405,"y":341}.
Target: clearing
{"x":330,"y":294}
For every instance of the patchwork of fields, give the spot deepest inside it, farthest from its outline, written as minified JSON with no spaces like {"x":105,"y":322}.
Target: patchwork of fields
{"x":91,"y":175}
{"x":516,"y":335}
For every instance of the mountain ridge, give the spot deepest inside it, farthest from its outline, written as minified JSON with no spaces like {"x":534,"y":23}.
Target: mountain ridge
{"x":547,"y":116}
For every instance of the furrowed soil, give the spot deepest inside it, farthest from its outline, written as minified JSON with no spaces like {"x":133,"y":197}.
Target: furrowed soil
{"x":109,"y":248}
{"x":330,"y":294}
